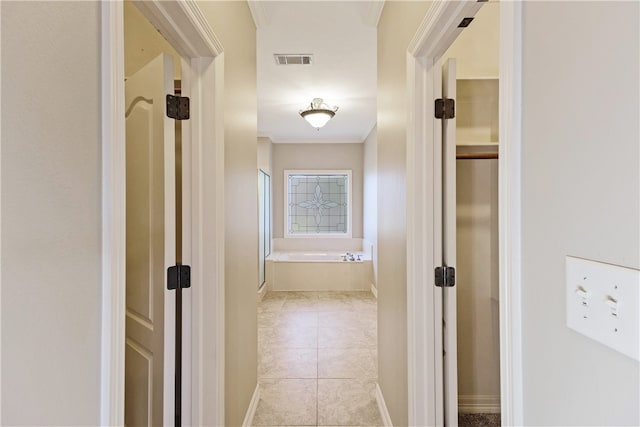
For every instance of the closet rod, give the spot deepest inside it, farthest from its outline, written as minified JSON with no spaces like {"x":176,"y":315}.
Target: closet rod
{"x":474,"y":156}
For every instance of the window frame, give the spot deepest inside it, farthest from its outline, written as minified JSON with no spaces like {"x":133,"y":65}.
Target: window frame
{"x":318,"y":172}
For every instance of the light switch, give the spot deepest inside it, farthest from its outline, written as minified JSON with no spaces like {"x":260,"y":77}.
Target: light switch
{"x":583,"y":294}
{"x":603,"y":301}
{"x":613,"y":305}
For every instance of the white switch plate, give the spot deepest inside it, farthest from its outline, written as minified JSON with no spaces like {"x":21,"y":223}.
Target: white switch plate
{"x":595,"y":291}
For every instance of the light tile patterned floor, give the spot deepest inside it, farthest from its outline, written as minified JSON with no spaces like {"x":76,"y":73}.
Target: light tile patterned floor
{"x":317,"y":359}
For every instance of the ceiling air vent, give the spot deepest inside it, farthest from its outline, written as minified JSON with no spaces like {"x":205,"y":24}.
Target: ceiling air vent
{"x":293,"y":59}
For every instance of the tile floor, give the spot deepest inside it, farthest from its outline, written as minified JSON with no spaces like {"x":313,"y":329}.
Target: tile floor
{"x":317,"y":359}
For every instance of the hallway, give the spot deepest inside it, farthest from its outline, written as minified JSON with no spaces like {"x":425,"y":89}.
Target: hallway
{"x":317,"y":359}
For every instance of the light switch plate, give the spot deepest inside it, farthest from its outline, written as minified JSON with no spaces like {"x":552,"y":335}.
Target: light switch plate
{"x":603,"y":301}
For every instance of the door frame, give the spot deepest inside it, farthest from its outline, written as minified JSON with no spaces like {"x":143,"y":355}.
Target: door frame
{"x":436,"y":33}
{"x":187,"y":30}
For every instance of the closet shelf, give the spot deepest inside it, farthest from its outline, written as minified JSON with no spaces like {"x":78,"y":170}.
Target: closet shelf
{"x":476,"y":156}
{"x":487,"y":144}
{"x":477,"y":151}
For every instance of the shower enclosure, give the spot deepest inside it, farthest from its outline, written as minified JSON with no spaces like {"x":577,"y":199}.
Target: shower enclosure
{"x":264,"y":223}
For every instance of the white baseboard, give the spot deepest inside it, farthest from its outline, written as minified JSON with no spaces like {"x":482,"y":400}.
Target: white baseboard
{"x":374,"y":291}
{"x":382,"y":407}
{"x":253,"y":405}
{"x":479,"y":404}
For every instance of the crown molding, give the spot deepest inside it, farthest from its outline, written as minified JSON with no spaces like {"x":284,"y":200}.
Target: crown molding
{"x":259,"y":13}
{"x":374,"y":13}
{"x":318,"y":141}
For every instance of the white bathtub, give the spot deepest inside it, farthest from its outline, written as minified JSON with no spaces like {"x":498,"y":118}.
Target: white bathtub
{"x":298,"y":256}
{"x":318,"y":271}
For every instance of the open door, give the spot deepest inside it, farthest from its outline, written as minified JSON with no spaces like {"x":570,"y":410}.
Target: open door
{"x":449,"y":332}
{"x":150,"y":246}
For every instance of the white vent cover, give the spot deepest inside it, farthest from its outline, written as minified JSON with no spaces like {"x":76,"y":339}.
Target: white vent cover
{"x":293,"y":59}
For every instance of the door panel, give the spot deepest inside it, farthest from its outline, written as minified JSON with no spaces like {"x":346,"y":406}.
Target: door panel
{"x":139,"y":363}
{"x":150,"y":247}
{"x":449,"y":249}
{"x":139,"y":235}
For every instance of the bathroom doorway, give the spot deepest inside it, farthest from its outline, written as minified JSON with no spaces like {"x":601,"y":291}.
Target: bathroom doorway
{"x":317,"y":310}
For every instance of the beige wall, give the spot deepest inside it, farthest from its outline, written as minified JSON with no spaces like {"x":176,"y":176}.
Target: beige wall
{"x":265,"y":155}
{"x":580,"y":187}
{"x":477,"y":111}
{"x":397,"y":26}
{"x":142,"y":42}
{"x":51,"y":213}
{"x":317,"y":156}
{"x":233,"y":24}
{"x":370,"y":197}
{"x":477,"y":281}
{"x":477,"y":48}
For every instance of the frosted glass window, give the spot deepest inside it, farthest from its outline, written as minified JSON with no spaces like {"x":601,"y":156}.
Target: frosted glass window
{"x":318,"y":203}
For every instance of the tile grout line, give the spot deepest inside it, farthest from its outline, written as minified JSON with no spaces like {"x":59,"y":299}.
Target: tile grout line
{"x":290,"y":298}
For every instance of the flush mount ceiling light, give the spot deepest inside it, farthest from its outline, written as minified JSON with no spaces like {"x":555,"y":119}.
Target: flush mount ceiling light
{"x":318,"y":113}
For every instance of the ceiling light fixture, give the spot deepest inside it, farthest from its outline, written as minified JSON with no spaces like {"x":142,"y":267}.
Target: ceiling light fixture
{"x":318,"y":113}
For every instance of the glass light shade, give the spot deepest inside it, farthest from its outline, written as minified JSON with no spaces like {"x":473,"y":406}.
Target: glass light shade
{"x":318,"y":113}
{"x":317,"y":118}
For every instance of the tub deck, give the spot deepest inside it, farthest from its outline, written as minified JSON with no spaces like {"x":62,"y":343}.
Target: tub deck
{"x":318,"y":271}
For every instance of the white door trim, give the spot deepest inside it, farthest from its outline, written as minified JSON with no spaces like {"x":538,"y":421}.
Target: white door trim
{"x":184,"y":26}
{"x":0,"y":223}
{"x":113,"y":216}
{"x":434,"y":36}
{"x":510,"y":213}
{"x":421,"y":217}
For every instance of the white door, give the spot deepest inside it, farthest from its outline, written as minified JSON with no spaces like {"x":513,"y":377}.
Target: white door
{"x":150,"y":228}
{"x":448,"y":336}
